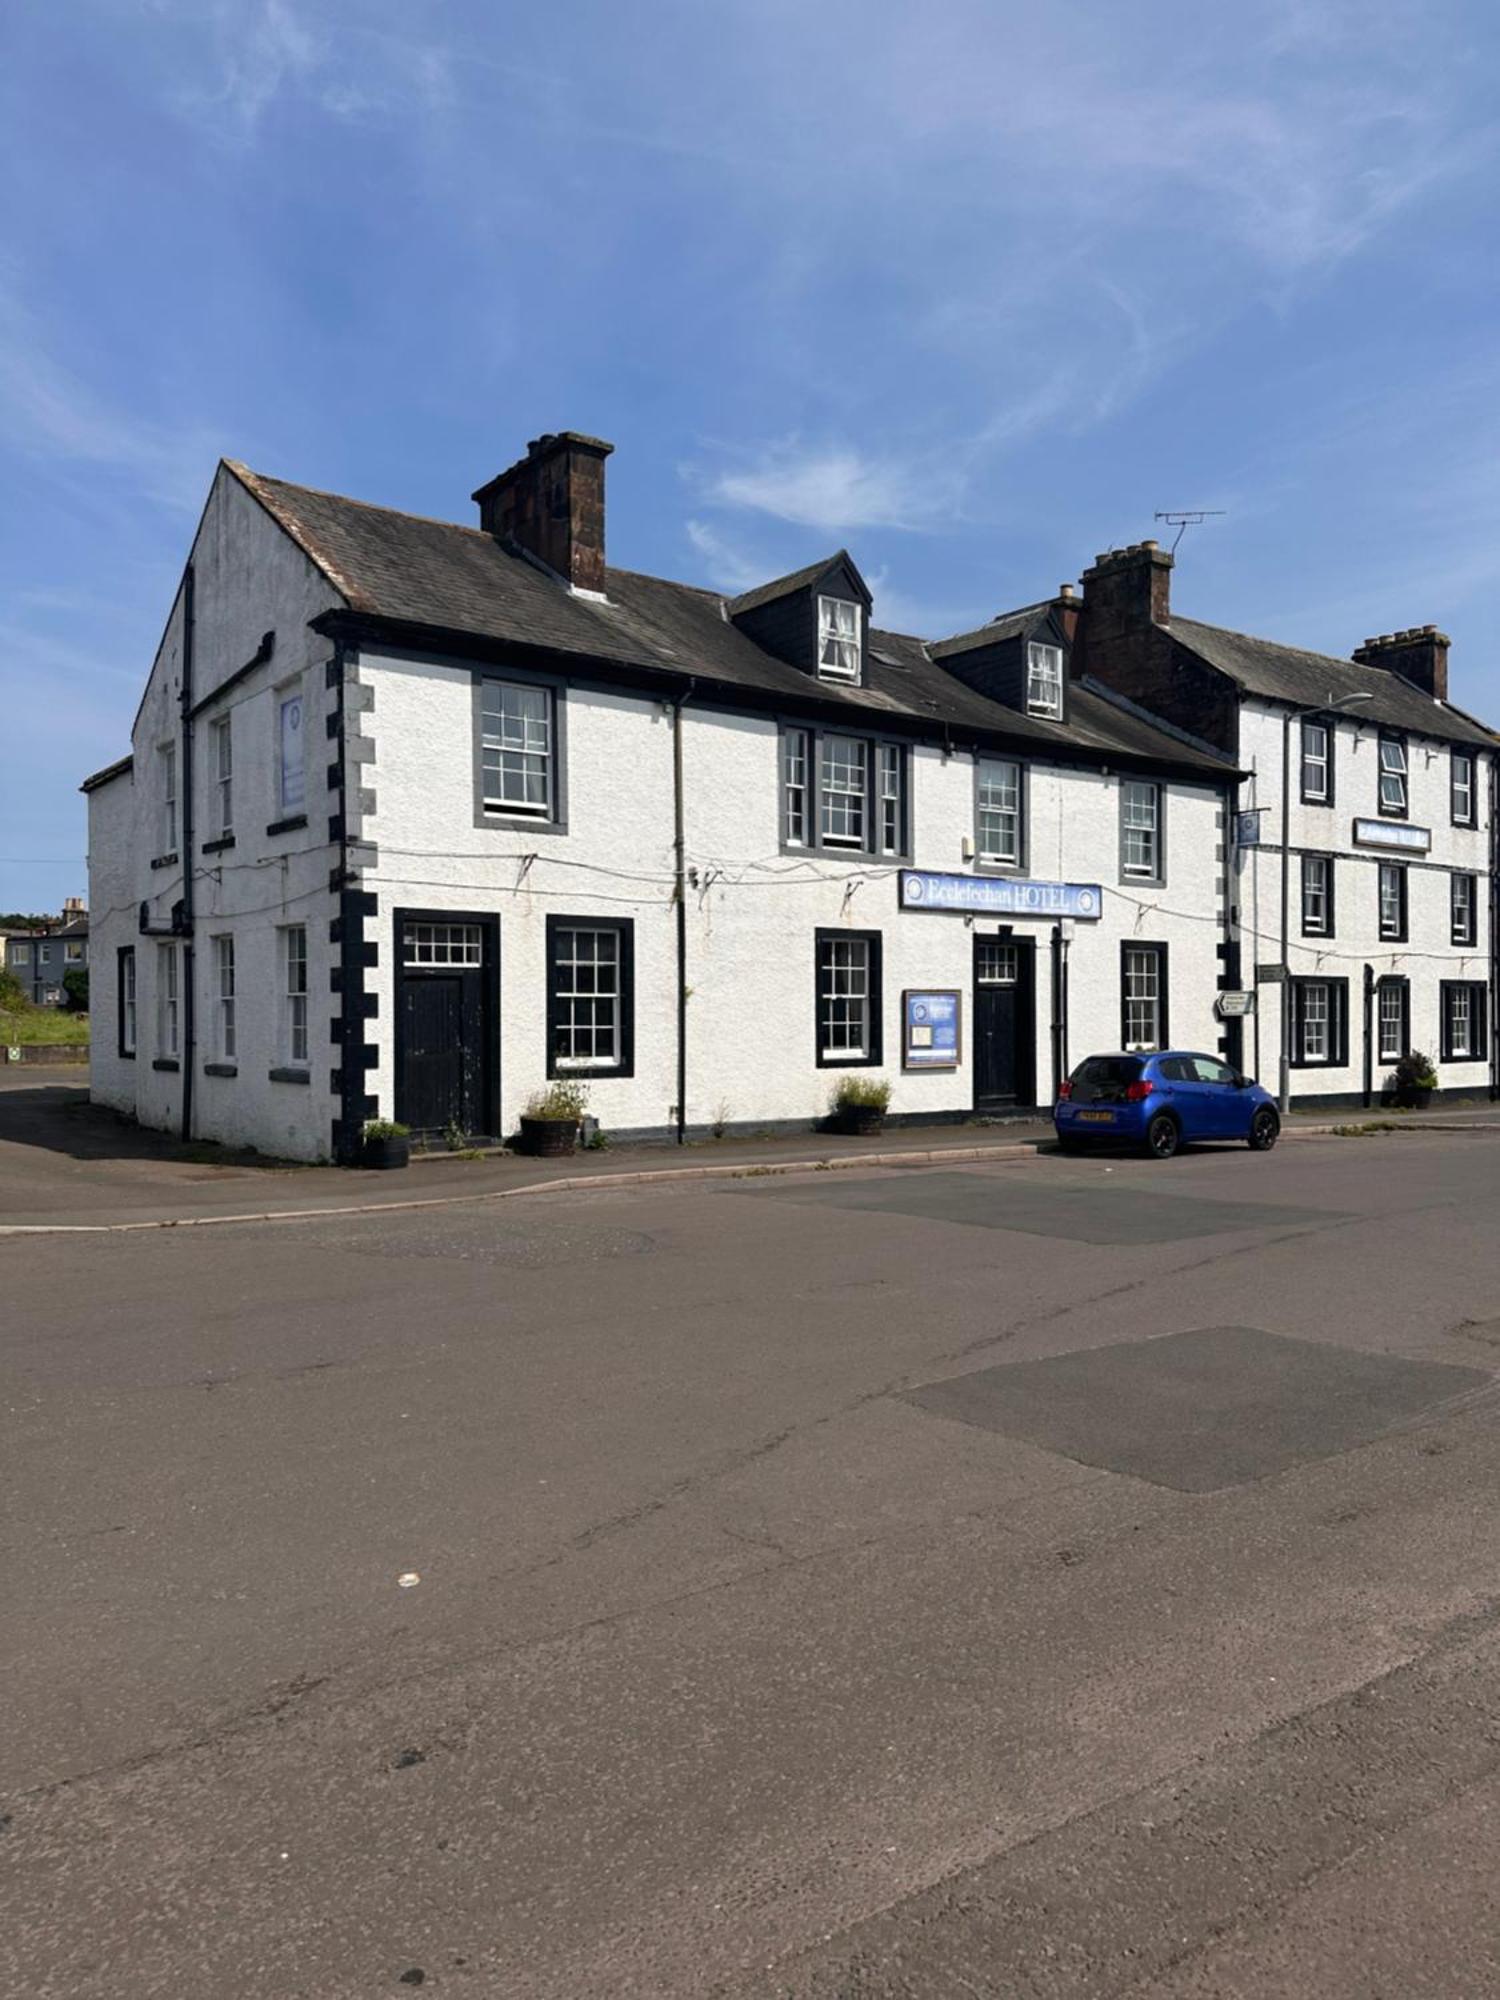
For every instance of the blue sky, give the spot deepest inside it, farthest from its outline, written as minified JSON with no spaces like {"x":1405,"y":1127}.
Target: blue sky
{"x":972,"y":287}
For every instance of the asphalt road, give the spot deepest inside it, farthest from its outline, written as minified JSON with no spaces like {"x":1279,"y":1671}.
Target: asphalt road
{"x":1051,"y":1579}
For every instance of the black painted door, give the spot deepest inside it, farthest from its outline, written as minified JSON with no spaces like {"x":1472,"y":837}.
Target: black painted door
{"x":1003,"y":1054}
{"x":444,"y":1031}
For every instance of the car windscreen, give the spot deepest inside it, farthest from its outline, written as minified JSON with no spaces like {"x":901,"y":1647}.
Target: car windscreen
{"x":1105,"y":1079}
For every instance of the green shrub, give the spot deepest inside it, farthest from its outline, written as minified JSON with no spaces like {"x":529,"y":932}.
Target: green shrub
{"x":386,"y":1128}
{"x":13,"y":995}
{"x":873,"y":1092}
{"x":561,"y":1100}
{"x":76,"y":990}
{"x":1413,"y":1071}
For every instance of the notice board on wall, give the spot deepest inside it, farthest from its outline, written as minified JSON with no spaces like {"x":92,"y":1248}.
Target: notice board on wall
{"x":930,"y":1028}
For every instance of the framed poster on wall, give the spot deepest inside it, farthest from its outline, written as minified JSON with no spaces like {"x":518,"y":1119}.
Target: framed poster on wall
{"x":930,"y":1037}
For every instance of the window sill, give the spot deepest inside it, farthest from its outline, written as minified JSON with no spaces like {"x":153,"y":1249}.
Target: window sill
{"x":125,"y":1055}
{"x":221,"y":1069}
{"x":577,"y":1074}
{"x":165,"y":861}
{"x":517,"y":822}
{"x":293,"y":824}
{"x":218,"y":846}
{"x":290,"y":1075}
{"x":1446,"y":1060}
{"x":165,"y":1062}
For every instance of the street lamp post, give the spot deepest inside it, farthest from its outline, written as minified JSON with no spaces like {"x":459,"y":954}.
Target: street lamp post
{"x":1329,"y":707}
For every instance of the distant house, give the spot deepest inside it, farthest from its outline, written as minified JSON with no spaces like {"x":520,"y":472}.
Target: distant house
{"x":39,"y":958}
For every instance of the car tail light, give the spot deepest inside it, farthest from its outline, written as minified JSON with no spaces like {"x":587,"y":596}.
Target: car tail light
{"x":1065,"y":1088}
{"x":1137,"y":1093}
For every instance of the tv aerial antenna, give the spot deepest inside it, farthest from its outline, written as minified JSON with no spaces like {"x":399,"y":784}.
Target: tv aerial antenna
{"x":1183,"y":518}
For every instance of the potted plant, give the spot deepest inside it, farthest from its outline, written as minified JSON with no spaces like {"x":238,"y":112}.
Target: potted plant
{"x":387,"y":1144}
{"x":549,"y":1124}
{"x":859,"y":1104}
{"x":1412,"y":1082}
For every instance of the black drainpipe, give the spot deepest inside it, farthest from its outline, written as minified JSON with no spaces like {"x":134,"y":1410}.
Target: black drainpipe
{"x":1494,"y":992}
{"x":1369,"y":1032}
{"x":679,"y":847}
{"x":189,"y":977}
{"x":1058,"y":1071}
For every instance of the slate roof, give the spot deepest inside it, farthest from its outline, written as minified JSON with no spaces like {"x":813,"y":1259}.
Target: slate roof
{"x":462,"y":580}
{"x":783,"y":586}
{"x":116,"y":770}
{"x":1009,"y":625}
{"x":1286,"y":673}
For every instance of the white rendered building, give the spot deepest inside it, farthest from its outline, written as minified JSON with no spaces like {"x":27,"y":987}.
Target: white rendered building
{"x":419,"y":816}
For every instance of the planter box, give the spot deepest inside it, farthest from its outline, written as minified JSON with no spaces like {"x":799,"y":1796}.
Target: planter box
{"x":861,"y":1121}
{"x":549,"y":1138}
{"x":45,"y":1052}
{"x":385,"y":1154}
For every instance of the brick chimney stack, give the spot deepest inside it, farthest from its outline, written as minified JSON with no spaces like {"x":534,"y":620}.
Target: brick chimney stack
{"x":1419,"y":655}
{"x":1127,"y":590}
{"x":551,"y":502}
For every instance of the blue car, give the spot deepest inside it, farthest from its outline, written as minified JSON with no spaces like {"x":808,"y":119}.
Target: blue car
{"x":1161,"y":1102}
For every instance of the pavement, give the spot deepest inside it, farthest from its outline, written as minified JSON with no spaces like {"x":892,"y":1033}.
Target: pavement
{"x":1036,"y":1577}
{"x":66,"y":1164}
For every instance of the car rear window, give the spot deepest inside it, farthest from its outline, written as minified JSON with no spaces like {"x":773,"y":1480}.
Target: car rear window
{"x":1105,"y":1077}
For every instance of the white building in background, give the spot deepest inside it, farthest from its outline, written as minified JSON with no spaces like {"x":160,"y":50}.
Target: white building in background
{"x":420,"y":816}
{"x":1390,"y":825}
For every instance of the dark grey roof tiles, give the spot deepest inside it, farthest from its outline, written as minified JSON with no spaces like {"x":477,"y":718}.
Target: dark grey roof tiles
{"x":1286,"y":673}
{"x":457,"y":579}
{"x":783,"y":586}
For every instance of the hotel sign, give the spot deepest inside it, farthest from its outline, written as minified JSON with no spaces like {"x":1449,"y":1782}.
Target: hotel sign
{"x":1394,"y":834}
{"x":999,"y":895}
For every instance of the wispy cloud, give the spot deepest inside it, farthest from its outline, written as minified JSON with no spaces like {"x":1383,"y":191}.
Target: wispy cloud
{"x":836,"y":487}
{"x":730,"y":567}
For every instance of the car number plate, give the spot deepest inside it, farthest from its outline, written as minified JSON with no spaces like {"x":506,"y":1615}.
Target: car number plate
{"x":1096,"y":1117}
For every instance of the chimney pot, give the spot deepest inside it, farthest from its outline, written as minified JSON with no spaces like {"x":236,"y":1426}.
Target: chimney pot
{"x":1065,"y":590}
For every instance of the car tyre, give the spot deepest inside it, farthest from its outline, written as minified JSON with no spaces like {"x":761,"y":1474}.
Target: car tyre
{"x":1265,"y":1130}
{"x":1162,"y":1136}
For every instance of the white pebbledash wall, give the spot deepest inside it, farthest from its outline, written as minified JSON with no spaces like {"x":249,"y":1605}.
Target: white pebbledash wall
{"x":1426,"y":958}
{"x":753,"y":910}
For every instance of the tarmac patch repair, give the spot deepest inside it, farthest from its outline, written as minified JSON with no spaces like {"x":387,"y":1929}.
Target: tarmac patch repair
{"x":1199,"y":1411}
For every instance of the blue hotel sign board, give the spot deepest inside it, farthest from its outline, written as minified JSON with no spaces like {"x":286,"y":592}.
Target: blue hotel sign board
{"x":999,"y":895}
{"x":930,"y":1030}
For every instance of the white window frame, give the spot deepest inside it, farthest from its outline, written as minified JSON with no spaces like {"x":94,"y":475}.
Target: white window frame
{"x":20,"y":954}
{"x":518,"y":745}
{"x":795,"y":787}
{"x":223,"y":778}
{"x":291,"y":748}
{"x":224,"y":1011}
{"x":1044,"y":679}
{"x":167,"y":763}
{"x":1461,"y":805}
{"x":847,"y":802}
{"x":1145,"y":832}
{"x":1142,"y":997}
{"x":430,"y":945}
{"x":1000,"y":812}
{"x":588,"y":997}
{"x":1459,"y":997}
{"x":72,"y":952}
{"x":168,"y":1003}
{"x":1392,"y":1031}
{"x":890,"y":798}
{"x":1320,"y":791}
{"x":291,"y":955}
{"x":1316,"y":1022}
{"x":839,"y":641}
{"x":1392,"y":876}
{"x":1463,"y":901}
{"x":1317,"y":898}
{"x":1395,"y":773}
{"x":848,"y":996}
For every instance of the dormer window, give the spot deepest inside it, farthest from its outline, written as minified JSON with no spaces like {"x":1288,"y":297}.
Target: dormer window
{"x":838,"y":639}
{"x":1044,"y":680}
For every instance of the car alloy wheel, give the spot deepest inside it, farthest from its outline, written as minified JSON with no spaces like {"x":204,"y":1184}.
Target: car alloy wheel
{"x":1265,"y":1130}
{"x":1162,"y":1136}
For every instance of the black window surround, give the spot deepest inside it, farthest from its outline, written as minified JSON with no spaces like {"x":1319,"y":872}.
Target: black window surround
{"x":1463,"y":923}
{"x":1311,"y":724}
{"x":1163,"y":990}
{"x":1310,"y":863}
{"x":813,"y":735}
{"x":1461,"y":762}
{"x":1337,"y":1018}
{"x":124,"y":954}
{"x":623,"y":929}
{"x":1479,"y":1047}
{"x":873,"y":942}
{"x":1388,"y":933}
{"x":1390,"y":738}
{"x":555,"y":819}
